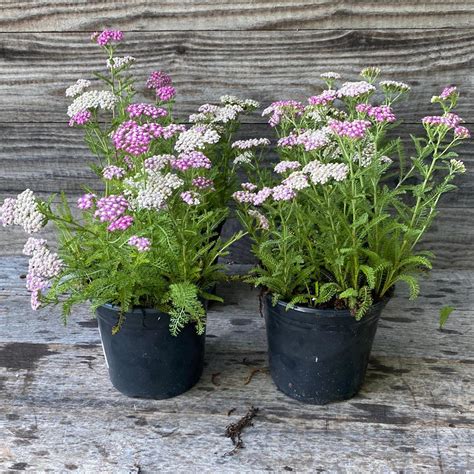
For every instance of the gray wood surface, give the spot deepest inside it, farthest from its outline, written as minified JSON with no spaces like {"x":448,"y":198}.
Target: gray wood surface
{"x":36,"y":68}
{"x":414,"y":414}
{"x":230,"y":15}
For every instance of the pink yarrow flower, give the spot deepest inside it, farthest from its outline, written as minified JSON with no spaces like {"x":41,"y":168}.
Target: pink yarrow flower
{"x":165,"y":93}
{"x":86,"y":201}
{"x":201,"y":182}
{"x":326,"y":97}
{"x":113,"y":172}
{"x":134,"y":138}
{"x":284,"y":166}
{"x":80,"y":118}
{"x":191,"y":198}
{"x":261,"y":196}
{"x":382,"y":113}
{"x":141,"y":243}
{"x":158,"y":79}
{"x":244,"y":197}
{"x":111,"y":207}
{"x":283,"y":193}
{"x":355,"y":89}
{"x":280,"y":109}
{"x":462,"y":132}
{"x":193,"y":159}
{"x":122,"y":223}
{"x":355,"y":129}
{"x":149,"y":110}
{"x":107,"y":36}
{"x":448,"y":92}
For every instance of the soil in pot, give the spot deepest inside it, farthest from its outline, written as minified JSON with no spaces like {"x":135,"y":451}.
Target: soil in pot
{"x":144,"y":359}
{"x":319,"y":356}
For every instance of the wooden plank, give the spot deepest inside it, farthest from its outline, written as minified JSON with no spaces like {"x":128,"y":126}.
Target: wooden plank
{"x":227,"y":15}
{"x":408,"y":328}
{"x":36,"y":68}
{"x":50,"y":157}
{"x":412,"y":414}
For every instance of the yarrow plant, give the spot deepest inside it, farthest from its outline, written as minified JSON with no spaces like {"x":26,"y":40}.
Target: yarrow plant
{"x":331,"y":227}
{"x":148,"y":236}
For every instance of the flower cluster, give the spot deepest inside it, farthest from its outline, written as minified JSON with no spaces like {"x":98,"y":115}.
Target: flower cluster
{"x":153,"y":192}
{"x":43,"y":266}
{"x":196,"y":138}
{"x":78,"y":88}
{"x":149,"y":110}
{"x":162,"y":83}
{"x":355,"y":89}
{"x":110,"y":208}
{"x":94,"y":99}
{"x":141,"y":243}
{"x":121,"y":223}
{"x":321,"y":173}
{"x":245,"y":104}
{"x":353,"y":130}
{"x":202,"y":182}
{"x":381,"y":113}
{"x":193,"y":159}
{"x":22,"y":211}
{"x":107,"y":36}
{"x":113,"y":172}
{"x":310,"y":139}
{"x":86,"y":201}
{"x":80,"y":118}
{"x":157,"y":162}
{"x":251,"y":143}
{"x":191,"y":198}
{"x":394,"y":86}
{"x":284,"y":166}
{"x":449,"y":120}
{"x":120,"y":62}
{"x":281,"y":109}
{"x":326,"y":97}
{"x":134,"y":138}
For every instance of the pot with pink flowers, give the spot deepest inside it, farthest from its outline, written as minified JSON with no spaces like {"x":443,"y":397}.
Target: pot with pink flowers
{"x":334,"y":232}
{"x":142,"y":243}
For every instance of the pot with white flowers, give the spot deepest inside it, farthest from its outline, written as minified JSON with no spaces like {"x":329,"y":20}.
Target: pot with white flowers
{"x":334,"y":233}
{"x":143,"y":246}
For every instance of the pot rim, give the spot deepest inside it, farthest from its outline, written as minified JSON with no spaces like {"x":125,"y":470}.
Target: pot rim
{"x":326,"y":312}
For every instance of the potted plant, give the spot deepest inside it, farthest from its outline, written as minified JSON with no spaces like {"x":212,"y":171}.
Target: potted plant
{"x":142,"y":244}
{"x":339,"y":223}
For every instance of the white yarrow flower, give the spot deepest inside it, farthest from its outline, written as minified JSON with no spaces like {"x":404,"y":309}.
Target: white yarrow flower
{"x":78,"y":88}
{"x":91,"y":100}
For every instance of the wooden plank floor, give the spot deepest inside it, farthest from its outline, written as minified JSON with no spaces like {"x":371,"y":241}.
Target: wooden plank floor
{"x":59,"y":411}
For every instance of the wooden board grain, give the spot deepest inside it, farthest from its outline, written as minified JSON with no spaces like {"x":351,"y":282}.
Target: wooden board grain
{"x":36,"y":68}
{"x":165,"y":15}
{"x":58,"y":410}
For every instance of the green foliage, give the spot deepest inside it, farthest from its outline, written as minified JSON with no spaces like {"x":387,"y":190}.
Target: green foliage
{"x":346,"y":241}
{"x":444,"y":314}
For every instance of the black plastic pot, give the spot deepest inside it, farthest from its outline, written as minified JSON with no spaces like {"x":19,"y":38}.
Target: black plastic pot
{"x":319,"y":356}
{"x":144,"y":359}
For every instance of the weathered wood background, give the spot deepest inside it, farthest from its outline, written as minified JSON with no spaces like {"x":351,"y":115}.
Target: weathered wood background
{"x":261,"y":49}
{"x":58,"y":411}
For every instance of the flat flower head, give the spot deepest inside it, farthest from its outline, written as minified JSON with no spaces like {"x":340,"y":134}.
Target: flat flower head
{"x":284,"y":166}
{"x":147,"y":110}
{"x":80,"y":118}
{"x":448,"y":92}
{"x":78,"y":88}
{"x":354,"y":130}
{"x":394,"y":87}
{"x":113,"y":172}
{"x":122,"y":223}
{"x":262,"y":221}
{"x":281,"y":110}
{"x":27,"y":214}
{"x":165,"y":93}
{"x":457,"y":166}
{"x":142,"y":244}
{"x":462,"y":132}
{"x":158,"y":162}
{"x":111,"y":207}
{"x":193,"y":159}
{"x":191,"y":198}
{"x":7,"y":212}
{"x":107,"y":37}
{"x":325,"y":98}
{"x":158,"y":79}
{"x":201,"y":182}
{"x":283,"y":193}
{"x":86,"y":201}
{"x":251,"y":143}
{"x":355,"y":89}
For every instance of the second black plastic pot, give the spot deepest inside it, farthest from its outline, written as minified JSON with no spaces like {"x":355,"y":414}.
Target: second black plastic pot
{"x":319,"y":356}
{"x":144,"y":359}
